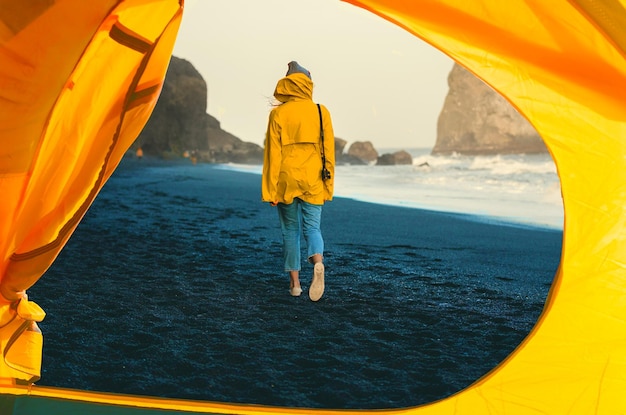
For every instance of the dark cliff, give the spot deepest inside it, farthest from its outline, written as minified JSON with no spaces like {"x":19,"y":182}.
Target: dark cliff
{"x":180,"y":122}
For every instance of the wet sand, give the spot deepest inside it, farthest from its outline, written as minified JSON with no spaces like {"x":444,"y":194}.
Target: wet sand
{"x":173,"y":286}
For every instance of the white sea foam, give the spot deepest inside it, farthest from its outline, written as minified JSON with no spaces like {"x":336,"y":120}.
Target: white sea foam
{"x":519,"y":189}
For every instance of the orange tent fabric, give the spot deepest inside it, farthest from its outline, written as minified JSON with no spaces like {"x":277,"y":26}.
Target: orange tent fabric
{"x":78,"y":81}
{"x":65,"y":123}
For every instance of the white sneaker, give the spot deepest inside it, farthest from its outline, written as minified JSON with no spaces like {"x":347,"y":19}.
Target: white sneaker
{"x":295,"y":291}
{"x":316,"y":290}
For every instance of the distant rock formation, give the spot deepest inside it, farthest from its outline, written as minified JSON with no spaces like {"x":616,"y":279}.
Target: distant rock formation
{"x":340,"y":145}
{"x":477,"y":120}
{"x":398,"y":157}
{"x":180,"y":122}
{"x":363,"y":150}
{"x":342,"y":158}
{"x":223,"y":147}
{"x":363,"y":153}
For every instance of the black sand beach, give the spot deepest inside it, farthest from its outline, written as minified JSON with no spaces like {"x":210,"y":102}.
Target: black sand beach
{"x":173,"y":286}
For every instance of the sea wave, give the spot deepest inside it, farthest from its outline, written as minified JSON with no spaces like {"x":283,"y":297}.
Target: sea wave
{"x":515,"y":189}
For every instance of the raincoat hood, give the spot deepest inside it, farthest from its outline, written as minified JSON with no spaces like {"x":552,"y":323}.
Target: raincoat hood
{"x":294,"y":86}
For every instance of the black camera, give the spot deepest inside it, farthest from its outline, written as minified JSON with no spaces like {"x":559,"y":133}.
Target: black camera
{"x":325,"y":174}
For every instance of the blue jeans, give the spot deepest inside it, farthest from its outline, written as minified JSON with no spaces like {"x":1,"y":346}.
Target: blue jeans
{"x":298,"y":217}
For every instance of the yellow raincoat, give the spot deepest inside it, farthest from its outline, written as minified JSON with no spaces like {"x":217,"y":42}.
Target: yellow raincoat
{"x":292,"y":164}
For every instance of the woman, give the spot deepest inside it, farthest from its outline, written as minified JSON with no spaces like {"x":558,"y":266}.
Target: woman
{"x":292,"y":173}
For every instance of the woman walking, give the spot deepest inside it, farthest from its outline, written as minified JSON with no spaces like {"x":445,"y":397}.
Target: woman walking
{"x":298,"y":173}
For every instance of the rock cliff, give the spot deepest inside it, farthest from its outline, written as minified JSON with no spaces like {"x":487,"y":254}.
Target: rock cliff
{"x":392,"y":159}
{"x":476,"y":120}
{"x":363,"y":150}
{"x":180,"y":122}
{"x":342,"y":158}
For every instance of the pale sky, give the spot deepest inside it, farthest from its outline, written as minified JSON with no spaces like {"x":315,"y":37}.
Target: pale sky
{"x":380,"y":83}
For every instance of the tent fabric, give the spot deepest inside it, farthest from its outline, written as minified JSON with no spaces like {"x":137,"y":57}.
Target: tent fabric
{"x":78,"y":81}
{"x":65,"y":124}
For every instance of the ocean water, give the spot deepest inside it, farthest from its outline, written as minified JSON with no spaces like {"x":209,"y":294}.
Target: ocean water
{"x":514,"y":189}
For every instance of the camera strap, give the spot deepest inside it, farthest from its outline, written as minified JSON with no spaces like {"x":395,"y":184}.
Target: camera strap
{"x":319,"y":110}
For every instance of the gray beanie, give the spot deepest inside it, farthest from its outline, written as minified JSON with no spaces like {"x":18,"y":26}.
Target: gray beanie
{"x":294,"y":67}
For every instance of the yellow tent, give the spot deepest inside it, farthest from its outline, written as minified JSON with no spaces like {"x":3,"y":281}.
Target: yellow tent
{"x":65,"y":124}
{"x":74,"y":95}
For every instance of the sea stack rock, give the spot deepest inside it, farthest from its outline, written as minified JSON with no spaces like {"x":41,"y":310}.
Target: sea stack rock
{"x":363,"y":150}
{"x":340,"y":145}
{"x":476,"y":120}
{"x":399,"y":157}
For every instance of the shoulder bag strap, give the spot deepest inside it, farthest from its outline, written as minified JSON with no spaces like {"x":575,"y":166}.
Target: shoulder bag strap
{"x":319,"y":110}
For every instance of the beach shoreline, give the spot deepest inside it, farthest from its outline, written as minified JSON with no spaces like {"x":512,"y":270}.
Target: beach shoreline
{"x":514,"y":190}
{"x":177,"y":290}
